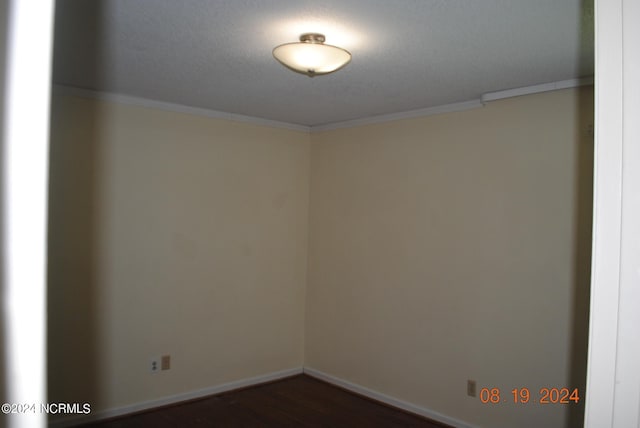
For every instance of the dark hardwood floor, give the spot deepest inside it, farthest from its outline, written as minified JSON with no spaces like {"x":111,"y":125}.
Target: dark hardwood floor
{"x":298,"y":401}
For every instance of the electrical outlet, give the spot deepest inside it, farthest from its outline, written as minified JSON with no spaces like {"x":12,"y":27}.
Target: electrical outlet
{"x":154,"y":366}
{"x":166,"y":362}
{"x":471,"y":388}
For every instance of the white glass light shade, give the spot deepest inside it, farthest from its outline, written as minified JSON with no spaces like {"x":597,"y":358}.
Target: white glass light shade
{"x":310,"y":56}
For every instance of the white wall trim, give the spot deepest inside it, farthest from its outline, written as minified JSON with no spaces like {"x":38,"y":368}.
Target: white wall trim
{"x":371,"y":120}
{"x":253,"y":381}
{"x":613,"y":371}
{"x":177,"y":108}
{"x":605,"y":258}
{"x":400,"y":404}
{"x":411,"y":114}
{"x":535,"y":89}
{"x":173,"y":399}
{"x":24,"y":158}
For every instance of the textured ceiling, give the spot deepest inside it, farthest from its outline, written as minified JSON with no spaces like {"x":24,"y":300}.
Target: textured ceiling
{"x":407,"y":54}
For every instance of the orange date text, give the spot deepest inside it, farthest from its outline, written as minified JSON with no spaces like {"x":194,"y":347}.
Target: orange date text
{"x":524,"y":396}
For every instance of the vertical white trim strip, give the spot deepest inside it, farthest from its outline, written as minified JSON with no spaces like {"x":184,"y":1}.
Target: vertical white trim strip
{"x":627,"y":394}
{"x":613,"y":373}
{"x":25,"y":177}
{"x":606,"y":215}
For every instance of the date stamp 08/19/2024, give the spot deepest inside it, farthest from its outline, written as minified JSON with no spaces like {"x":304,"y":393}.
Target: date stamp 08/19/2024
{"x":525,"y":396}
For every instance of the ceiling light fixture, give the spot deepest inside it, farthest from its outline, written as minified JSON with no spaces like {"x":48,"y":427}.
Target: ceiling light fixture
{"x":311,"y":56}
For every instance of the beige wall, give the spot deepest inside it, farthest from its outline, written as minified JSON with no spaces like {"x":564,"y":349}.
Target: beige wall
{"x":455,"y":247}
{"x":441,"y":249}
{"x":171,"y":234}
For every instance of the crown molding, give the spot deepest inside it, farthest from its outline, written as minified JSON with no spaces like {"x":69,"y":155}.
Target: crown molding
{"x":177,"y":108}
{"x":535,"y":89}
{"x":371,"y":120}
{"x":411,"y":114}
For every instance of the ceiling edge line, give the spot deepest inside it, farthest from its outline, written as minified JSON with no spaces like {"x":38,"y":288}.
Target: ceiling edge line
{"x":455,"y":107}
{"x":410,"y":114}
{"x":535,"y":89}
{"x":65,"y":90}
{"x":371,"y":120}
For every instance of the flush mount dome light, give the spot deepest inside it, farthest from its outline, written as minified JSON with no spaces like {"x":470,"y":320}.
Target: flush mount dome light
{"x":311,"y":56}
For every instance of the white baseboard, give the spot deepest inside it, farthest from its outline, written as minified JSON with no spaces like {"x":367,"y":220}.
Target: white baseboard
{"x":173,"y":399}
{"x":177,"y":398}
{"x":358,"y":389}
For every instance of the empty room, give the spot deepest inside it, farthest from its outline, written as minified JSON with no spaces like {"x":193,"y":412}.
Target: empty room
{"x":410,"y":226}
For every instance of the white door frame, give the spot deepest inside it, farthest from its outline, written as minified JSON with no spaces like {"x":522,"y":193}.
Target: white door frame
{"x":613,"y":373}
{"x":26,"y":83}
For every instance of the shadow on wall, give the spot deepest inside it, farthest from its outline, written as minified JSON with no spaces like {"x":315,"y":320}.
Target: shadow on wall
{"x":583,"y":209}
{"x":73,"y":249}
{"x":73,"y":353}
